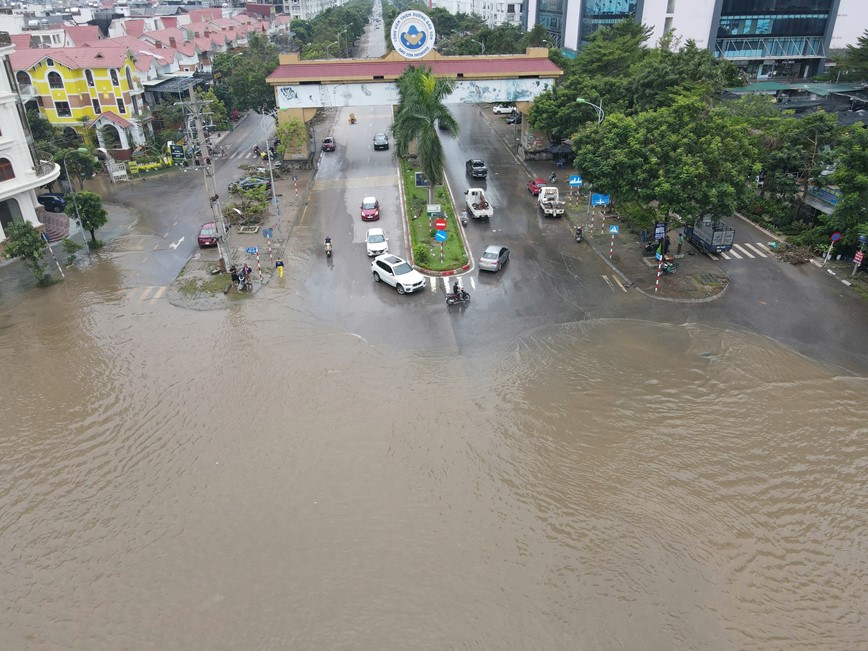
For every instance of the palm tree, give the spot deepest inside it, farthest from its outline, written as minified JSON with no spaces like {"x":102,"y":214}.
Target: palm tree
{"x":420,"y":108}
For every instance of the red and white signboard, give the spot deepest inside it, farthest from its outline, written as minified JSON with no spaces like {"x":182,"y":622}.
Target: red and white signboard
{"x":440,"y":224}
{"x":858,"y":257}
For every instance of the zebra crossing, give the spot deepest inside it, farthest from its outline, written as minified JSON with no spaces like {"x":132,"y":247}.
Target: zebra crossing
{"x":148,"y":295}
{"x":448,"y":280}
{"x":743,"y":251}
{"x":243,"y":154}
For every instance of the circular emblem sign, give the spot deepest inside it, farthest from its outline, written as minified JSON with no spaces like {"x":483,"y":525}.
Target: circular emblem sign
{"x":412,"y":34}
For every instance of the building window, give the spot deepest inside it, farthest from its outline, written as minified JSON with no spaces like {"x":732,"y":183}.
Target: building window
{"x":114,"y":74}
{"x":49,"y":63}
{"x":55,"y":80}
{"x":670,"y":7}
{"x":121,"y":107}
{"x":63,"y":110}
{"x":22,"y":78}
{"x":96,"y":108}
{"x":6,"y":172}
{"x":129,"y":78}
{"x":667,"y":25}
{"x":89,"y":76}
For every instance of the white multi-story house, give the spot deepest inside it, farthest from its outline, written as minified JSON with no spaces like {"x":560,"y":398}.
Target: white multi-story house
{"x":22,"y":168}
{"x":493,"y":12}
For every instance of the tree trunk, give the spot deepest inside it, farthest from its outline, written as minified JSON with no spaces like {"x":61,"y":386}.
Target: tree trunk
{"x":93,"y":235}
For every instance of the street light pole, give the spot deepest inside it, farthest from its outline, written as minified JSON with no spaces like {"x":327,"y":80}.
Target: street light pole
{"x":482,"y":45}
{"x":598,"y":109}
{"x":327,"y":49}
{"x":263,"y":126}
{"x":80,"y":150}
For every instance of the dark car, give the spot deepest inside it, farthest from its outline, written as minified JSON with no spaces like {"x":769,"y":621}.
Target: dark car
{"x":208,"y":235}
{"x":381,"y":141}
{"x":534,"y":185}
{"x":53,"y":201}
{"x":249,"y":183}
{"x":328,"y":144}
{"x":476,"y":168}
{"x":515,"y":118}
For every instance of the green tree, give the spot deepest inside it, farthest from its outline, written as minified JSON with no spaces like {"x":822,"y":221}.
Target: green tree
{"x":216,"y":108}
{"x":25,"y":243}
{"x":88,"y":207}
{"x":420,"y":108}
{"x":689,"y":158}
{"x":249,"y":206}
{"x":855,"y":59}
{"x":80,"y":165}
{"x":292,"y":134}
{"x":851,"y":177}
{"x":243,"y":74}
{"x":40,"y":128}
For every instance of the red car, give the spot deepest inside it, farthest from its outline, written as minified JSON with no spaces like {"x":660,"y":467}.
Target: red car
{"x":534,"y":185}
{"x":370,"y":209}
{"x":208,"y":235}
{"x":328,"y":144}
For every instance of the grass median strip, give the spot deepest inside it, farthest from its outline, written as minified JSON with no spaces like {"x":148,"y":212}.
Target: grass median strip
{"x":426,"y":250}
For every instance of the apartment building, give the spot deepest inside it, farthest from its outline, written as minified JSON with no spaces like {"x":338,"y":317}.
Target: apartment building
{"x":22,"y":168}
{"x":494,"y":13}
{"x":766,"y":38}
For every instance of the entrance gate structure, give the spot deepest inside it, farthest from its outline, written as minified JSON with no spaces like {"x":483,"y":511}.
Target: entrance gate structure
{"x":303,"y":87}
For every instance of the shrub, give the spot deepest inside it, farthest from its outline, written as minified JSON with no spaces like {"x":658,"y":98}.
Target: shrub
{"x":420,"y":254}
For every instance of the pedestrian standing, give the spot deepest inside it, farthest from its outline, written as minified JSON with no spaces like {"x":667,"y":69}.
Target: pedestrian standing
{"x":643,"y":236}
{"x":680,"y":243}
{"x":279,"y":266}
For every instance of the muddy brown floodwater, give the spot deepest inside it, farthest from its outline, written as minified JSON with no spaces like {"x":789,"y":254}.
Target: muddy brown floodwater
{"x":255,"y":479}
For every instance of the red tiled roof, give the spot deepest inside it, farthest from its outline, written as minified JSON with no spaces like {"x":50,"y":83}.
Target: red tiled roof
{"x":20,"y":41}
{"x":111,"y":116}
{"x":74,"y":58}
{"x":134,"y":27}
{"x":444,"y":67}
{"x":81,"y":34}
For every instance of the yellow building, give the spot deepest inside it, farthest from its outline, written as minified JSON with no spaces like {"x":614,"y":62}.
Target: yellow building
{"x":84,"y":86}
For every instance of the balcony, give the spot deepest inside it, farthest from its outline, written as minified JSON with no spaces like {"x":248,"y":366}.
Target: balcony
{"x":27,"y":92}
{"x":46,"y":164}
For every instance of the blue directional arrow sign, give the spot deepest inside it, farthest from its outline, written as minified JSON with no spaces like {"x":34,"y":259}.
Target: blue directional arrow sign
{"x":252,"y":249}
{"x":267,"y":233}
{"x":441,"y":236}
{"x":613,"y":229}
{"x":600,"y":199}
{"x":576,"y":181}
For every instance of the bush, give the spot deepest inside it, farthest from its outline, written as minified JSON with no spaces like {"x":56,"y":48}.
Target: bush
{"x":70,"y":248}
{"x":420,"y":254}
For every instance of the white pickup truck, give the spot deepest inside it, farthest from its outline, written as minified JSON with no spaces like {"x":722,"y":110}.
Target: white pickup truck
{"x":477,"y":204}
{"x":549,"y":201}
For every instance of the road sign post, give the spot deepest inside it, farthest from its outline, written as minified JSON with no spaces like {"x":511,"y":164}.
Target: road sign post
{"x":834,"y":237}
{"x":45,"y":237}
{"x":441,"y":236}
{"x":857,"y":260}
{"x":267,"y":233}
{"x":613,"y":229}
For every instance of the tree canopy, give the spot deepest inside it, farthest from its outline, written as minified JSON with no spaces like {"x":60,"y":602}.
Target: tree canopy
{"x":242,"y":75}
{"x":88,"y":207}
{"x":25,"y":243}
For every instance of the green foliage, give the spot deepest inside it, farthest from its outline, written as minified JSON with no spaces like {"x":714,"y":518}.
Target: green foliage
{"x":88,"y":207}
{"x":40,"y":128}
{"x":854,"y":63}
{"x":292,"y":135}
{"x":688,"y":159}
{"x":70,"y":248}
{"x":217,"y":109}
{"x":420,"y":254}
{"x":851,"y":177}
{"x":243,"y":75}
{"x":252,"y":205}
{"x":24,"y":242}
{"x":80,"y":165}
{"x":420,"y":108}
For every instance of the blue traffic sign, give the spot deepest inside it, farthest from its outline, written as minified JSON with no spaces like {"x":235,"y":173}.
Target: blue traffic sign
{"x":835,"y":236}
{"x":600,"y":199}
{"x":659,"y":231}
{"x":613,"y":229}
{"x":441,"y":236}
{"x":252,"y":249}
{"x":575,"y":181}
{"x":267,"y":233}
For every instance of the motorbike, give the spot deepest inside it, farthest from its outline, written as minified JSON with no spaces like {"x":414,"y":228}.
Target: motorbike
{"x":328,"y":247}
{"x":579,"y":234}
{"x":256,"y":151}
{"x":352,"y":118}
{"x":241,"y":279}
{"x":454,"y":298}
{"x":650,"y":248}
{"x":553,"y":178}
{"x":669,"y":267}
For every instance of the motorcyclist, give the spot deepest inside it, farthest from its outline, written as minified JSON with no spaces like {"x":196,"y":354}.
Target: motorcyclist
{"x":328,"y":244}
{"x":233,"y":273}
{"x":579,"y":233}
{"x":256,"y":150}
{"x":553,"y":178}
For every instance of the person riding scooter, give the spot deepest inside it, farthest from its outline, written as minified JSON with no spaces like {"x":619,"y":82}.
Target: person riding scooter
{"x":579,"y":234}
{"x":352,"y":118}
{"x":328,"y":246}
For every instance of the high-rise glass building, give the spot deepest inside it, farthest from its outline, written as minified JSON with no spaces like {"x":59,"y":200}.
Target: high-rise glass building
{"x":766,"y":38}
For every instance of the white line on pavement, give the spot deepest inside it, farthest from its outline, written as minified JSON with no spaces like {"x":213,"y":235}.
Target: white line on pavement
{"x":160,"y":292}
{"x":618,"y":280}
{"x":734,"y":254}
{"x":744,"y":250}
{"x":755,"y":250}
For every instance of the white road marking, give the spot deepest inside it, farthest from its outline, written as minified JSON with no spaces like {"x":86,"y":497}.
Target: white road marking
{"x":166,"y":235}
{"x":735,"y":255}
{"x":722,"y":255}
{"x":756,"y":250}
{"x":744,"y":250}
{"x":174,"y":245}
{"x":764,"y":247}
{"x":160,"y":292}
{"x":608,"y":282}
{"x":713,"y":257}
{"x":618,"y":280}
{"x":146,"y":294}
{"x":156,"y":246}
{"x":472,"y":283}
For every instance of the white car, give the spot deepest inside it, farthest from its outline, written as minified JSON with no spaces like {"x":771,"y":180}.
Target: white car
{"x":398,"y":273}
{"x":375,"y":240}
{"x":503,"y":109}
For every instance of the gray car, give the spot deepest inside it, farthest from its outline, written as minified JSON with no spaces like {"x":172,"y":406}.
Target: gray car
{"x":381,"y":141}
{"x":494,"y":257}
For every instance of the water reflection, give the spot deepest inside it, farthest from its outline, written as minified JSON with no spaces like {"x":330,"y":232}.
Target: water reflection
{"x":257,"y":479}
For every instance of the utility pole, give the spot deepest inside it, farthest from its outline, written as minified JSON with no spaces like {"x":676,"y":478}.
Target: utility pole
{"x":196,"y":107}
